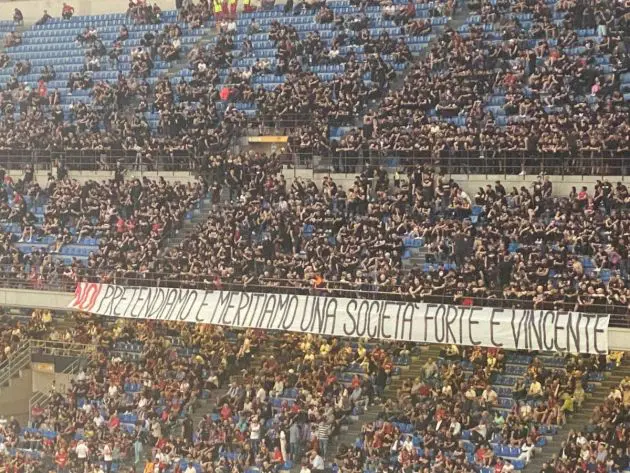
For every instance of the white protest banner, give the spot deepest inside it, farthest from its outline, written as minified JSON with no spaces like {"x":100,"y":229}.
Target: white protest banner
{"x":514,"y":329}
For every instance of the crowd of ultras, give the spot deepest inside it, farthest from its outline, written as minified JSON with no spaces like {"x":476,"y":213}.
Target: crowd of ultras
{"x":527,"y":247}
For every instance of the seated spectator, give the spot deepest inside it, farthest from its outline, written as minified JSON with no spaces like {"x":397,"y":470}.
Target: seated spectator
{"x":67,"y":11}
{"x":92,"y":64}
{"x":419,"y":27}
{"x":324,"y":15}
{"x":88,"y":36}
{"x":22,"y":68}
{"x":12,"y":38}
{"x":123,"y":34}
{"x":48,"y":73}
{"x":44,"y":19}
{"x":115,"y":53}
{"x":253,"y":27}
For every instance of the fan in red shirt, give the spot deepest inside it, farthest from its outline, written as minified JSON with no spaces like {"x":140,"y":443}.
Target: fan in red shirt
{"x":67,"y":11}
{"x":61,"y":459}
{"x":114,"y":422}
{"x":42,"y":89}
{"x":226,"y":412}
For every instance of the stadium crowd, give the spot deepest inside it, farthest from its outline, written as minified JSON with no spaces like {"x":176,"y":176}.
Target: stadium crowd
{"x":459,"y":415}
{"x":131,"y":405}
{"x":558,"y":107}
{"x":602,"y":444}
{"x":133,"y":402}
{"x":13,"y":334}
{"x":526,"y":247}
{"x":97,"y":134}
{"x":560,"y":96}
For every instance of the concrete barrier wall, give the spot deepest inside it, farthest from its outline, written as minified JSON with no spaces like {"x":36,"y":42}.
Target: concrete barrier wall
{"x":43,"y":382}
{"x":470,"y":183}
{"x":14,"y":397}
{"x":33,"y":9}
{"x":83,"y":176}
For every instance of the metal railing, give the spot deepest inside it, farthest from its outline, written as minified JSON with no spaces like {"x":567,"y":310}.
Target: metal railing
{"x":60,"y":348}
{"x":487,"y":162}
{"x":40,"y":398}
{"x":97,"y":160}
{"x":284,"y":125}
{"x":15,"y":362}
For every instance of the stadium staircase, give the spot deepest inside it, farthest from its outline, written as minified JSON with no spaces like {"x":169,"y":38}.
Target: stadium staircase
{"x":210,"y":31}
{"x":580,"y":419}
{"x":454,"y":22}
{"x":199,"y":216}
{"x":208,"y":405}
{"x":350,"y":433}
{"x":416,"y":257}
{"x":13,"y":367}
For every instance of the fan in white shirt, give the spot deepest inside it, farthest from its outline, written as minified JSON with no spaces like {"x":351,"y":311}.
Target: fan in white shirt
{"x":107,"y":453}
{"x":317,"y":462}
{"x":261,"y":395}
{"x":489,"y":396}
{"x":456,"y":428}
{"x":278,"y":388}
{"x":98,"y":420}
{"x":143,"y":402}
{"x":163,"y":458}
{"x":82,"y":450}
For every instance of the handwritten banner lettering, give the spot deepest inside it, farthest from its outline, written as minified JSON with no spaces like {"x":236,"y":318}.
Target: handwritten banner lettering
{"x":514,"y":329}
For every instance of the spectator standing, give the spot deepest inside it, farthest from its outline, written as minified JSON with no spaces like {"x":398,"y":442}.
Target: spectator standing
{"x":18,"y":18}
{"x":61,"y":460}
{"x":323,"y":433}
{"x":82,"y":452}
{"x":217,"y":8}
{"x":138,"y":448}
{"x":44,"y":19}
{"x":254,"y":434}
{"x":283,"y":445}
{"x":108,"y":457}
{"x":294,"y":442}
